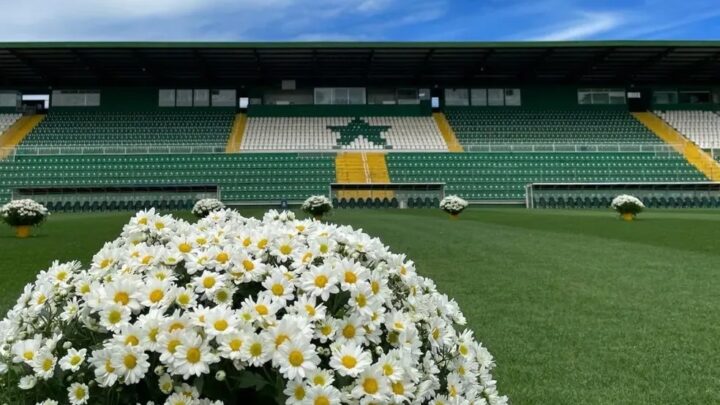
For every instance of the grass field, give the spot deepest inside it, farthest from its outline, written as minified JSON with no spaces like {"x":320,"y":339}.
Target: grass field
{"x":577,"y":306}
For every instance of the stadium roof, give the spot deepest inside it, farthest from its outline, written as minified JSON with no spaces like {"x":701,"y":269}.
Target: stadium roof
{"x":223,"y":63}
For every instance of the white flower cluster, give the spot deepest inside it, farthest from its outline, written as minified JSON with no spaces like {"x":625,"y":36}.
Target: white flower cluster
{"x":627,"y":204}
{"x":317,"y":205}
{"x":325,"y":313}
{"x":23,"y":212}
{"x":453,"y":204}
{"x":207,"y":205}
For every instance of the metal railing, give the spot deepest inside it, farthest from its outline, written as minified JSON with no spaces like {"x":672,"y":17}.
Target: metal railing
{"x":221,"y":148}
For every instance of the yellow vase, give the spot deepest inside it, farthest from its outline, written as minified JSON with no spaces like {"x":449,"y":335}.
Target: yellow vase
{"x":627,"y":216}
{"x":455,"y":216}
{"x":22,"y":231}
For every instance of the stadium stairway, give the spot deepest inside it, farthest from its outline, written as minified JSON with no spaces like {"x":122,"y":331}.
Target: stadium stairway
{"x":447,"y":132}
{"x":351,"y":167}
{"x":17,"y":132}
{"x":378,"y":171}
{"x":692,"y":153}
{"x":236,"y":134}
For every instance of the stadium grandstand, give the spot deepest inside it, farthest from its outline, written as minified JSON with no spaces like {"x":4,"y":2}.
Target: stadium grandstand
{"x":127,"y":125}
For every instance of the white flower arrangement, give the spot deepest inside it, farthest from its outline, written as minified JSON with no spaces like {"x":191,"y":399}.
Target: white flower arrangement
{"x":23,"y":213}
{"x":453,"y":204}
{"x":207,"y":205}
{"x":237,"y":309}
{"x":317,"y":205}
{"x":627,"y":204}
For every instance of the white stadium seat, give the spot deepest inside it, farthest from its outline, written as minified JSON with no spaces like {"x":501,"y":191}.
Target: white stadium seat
{"x":6,"y":120}
{"x":701,"y":127}
{"x":313,"y":133}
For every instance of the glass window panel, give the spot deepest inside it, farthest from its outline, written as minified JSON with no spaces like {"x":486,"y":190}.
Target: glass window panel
{"x":496,"y":97}
{"x":166,"y":98}
{"x":478,"y":97}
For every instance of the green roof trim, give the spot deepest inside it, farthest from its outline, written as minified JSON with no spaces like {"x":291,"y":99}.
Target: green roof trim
{"x":349,"y":45}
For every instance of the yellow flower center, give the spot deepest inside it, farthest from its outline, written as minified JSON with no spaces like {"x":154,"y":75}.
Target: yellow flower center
{"x":114,"y":317}
{"x":130,"y":361}
{"x":262,"y":243}
{"x":122,"y":297}
{"x":246,"y":242}
{"x":201,"y":241}
{"x":47,"y":364}
{"x":326,"y":329}
{"x":183,"y":299}
{"x":108,"y":367}
{"x":324,"y":248}
{"x":147,"y":259}
{"x":321,"y":400}
{"x":176,"y":326}
{"x":184,"y":247}
{"x":261,"y":309}
{"x":29,"y":355}
{"x":370,"y":385}
{"x":105,"y":263}
{"x":220,"y":325}
{"x":85,"y":288}
{"x":280,"y":339}
{"x":388,"y":369}
{"x":159,"y":225}
{"x":222,"y":257}
{"x":61,"y":276}
{"x":152,"y":334}
{"x":299,"y":392}
{"x":193,"y":355}
{"x":375,"y":287}
{"x":436,"y":333}
{"x":296,"y":358}
{"x":235,"y":344}
{"x":348,"y":331}
{"x":222,"y":296}
{"x":348,"y":361}
{"x":132,"y":340}
{"x":256,"y":349}
{"x":319,"y":380}
{"x":156,"y":296}
{"x":321,"y":281}
{"x":209,"y":282}
{"x":463,"y":350}
{"x":79,"y":393}
{"x":248,"y":265}
{"x":310,"y":309}
{"x":398,"y":388}
{"x":350,"y":277}
{"x":285,"y":249}
{"x":142,"y":221}
{"x":172,"y":345}
{"x":277,"y":289}
{"x":361,"y":300}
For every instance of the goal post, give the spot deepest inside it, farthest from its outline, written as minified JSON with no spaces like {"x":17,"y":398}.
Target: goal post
{"x":403,"y":195}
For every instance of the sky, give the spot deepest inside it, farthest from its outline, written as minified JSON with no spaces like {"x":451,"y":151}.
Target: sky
{"x":357,"y":20}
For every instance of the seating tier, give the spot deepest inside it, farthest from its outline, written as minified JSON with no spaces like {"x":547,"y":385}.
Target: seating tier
{"x":475,"y":126}
{"x":701,"y":127}
{"x":98,"y":128}
{"x":240,"y":177}
{"x":503,"y":176}
{"x":352,"y":133}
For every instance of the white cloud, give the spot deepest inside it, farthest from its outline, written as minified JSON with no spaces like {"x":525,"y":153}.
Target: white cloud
{"x":584,"y":26}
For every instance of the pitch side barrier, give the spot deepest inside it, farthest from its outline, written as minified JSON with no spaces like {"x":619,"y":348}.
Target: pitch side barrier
{"x":599,"y":195}
{"x":118,"y":198}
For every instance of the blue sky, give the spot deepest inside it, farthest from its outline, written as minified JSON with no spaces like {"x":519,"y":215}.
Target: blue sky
{"x":357,"y":20}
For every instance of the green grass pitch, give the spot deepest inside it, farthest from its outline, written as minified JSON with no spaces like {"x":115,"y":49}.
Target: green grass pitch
{"x":578,"y":307}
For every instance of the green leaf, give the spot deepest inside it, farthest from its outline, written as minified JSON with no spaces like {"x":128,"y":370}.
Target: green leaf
{"x":248,"y":379}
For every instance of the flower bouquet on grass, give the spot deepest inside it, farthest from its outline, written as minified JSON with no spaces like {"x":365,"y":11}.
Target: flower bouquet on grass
{"x":317,"y":206}
{"x":453,"y":205}
{"x":205,"y":206}
{"x":627,"y":206}
{"x":23,"y":214}
{"x":238,"y":310}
